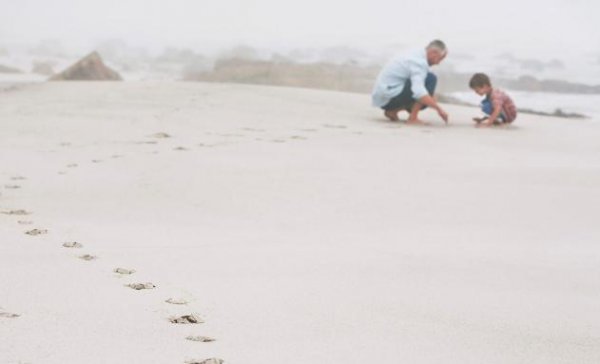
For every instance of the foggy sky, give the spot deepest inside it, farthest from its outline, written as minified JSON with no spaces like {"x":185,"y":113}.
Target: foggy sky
{"x":550,"y":27}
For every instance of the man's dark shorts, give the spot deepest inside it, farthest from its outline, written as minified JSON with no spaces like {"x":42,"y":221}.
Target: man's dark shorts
{"x":405,"y":99}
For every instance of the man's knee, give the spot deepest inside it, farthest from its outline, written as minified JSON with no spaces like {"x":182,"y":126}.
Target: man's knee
{"x":430,"y":83}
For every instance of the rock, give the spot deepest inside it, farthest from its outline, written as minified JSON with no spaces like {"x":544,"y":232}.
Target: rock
{"x":6,"y":69}
{"x":90,"y":68}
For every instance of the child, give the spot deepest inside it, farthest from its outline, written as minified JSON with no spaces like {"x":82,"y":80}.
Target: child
{"x":497,"y":105}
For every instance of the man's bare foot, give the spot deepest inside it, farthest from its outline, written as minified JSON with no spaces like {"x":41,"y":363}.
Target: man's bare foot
{"x":416,"y":122}
{"x":392,"y":115}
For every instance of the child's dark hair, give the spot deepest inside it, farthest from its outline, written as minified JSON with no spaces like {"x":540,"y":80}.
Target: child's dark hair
{"x":480,"y":80}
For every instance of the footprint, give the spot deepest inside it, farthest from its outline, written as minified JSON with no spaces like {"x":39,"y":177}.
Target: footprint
{"x":202,"y":339}
{"x":147,"y":142}
{"x":253,"y":129}
{"x":36,"y":232}
{"x":140,"y":286}
{"x":123,"y":271}
{"x":186,"y":319}
{"x":62,"y":173}
{"x":160,"y":135}
{"x":88,"y":257}
{"x":278,"y":140}
{"x":298,"y":137}
{"x":72,"y":165}
{"x":8,"y":315}
{"x":72,"y":244}
{"x":181,"y":149}
{"x":177,"y":301}
{"x":309,"y":130}
{"x":23,"y":222}
{"x":17,"y":212}
{"x":18,"y":178}
{"x":116,"y":156}
{"x":203,"y":145}
{"x":334,"y":126}
{"x":12,"y":187}
{"x":96,"y":160}
{"x":206,"y":361}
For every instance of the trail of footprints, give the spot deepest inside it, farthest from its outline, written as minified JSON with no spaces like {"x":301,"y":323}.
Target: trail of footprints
{"x":188,"y":319}
{"x":245,"y":130}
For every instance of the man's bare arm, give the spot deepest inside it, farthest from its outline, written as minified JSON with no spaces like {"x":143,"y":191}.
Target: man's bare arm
{"x":430,"y":101}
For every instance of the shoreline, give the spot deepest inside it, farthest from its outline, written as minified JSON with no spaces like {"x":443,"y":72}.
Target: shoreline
{"x":558,"y":113}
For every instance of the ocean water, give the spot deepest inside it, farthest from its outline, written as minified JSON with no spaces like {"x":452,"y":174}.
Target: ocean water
{"x":588,"y":105}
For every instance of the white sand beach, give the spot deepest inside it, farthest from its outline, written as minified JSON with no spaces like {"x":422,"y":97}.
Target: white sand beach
{"x":298,"y":224}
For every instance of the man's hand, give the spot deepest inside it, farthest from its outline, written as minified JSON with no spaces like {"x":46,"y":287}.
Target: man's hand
{"x":429,"y":101}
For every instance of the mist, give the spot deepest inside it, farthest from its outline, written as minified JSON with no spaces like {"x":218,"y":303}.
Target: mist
{"x":555,"y":28}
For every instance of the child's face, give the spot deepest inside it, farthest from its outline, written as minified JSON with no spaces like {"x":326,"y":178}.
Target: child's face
{"x":483,"y":90}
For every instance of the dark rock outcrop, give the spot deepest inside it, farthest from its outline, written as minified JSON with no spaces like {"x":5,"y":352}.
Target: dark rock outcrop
{"x":90,"y":68}
{"x":7,"y":69}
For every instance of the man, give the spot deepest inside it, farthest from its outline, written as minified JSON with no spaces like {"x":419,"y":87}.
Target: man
{"x":405,"y":83}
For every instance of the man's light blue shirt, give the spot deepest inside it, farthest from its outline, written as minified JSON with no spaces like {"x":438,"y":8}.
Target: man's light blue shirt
{"x":411,"y":66}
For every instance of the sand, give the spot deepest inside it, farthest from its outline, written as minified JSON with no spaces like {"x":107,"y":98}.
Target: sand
{"x":295,"y":226}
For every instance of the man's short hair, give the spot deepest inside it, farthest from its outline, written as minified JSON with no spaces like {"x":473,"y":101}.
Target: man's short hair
{"x":479,"y":80}
{"x":437,"y":44}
